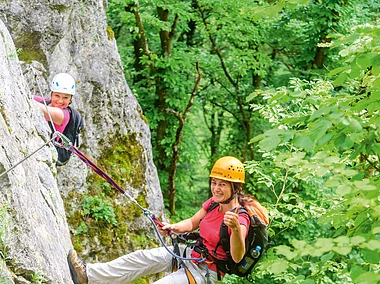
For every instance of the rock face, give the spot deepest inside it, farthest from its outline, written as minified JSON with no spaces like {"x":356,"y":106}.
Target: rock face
{"x":34,"y":234}
{"x":38,"y":40}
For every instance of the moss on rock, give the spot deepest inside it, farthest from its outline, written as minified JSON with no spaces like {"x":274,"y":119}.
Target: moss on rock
{"x":28,"y":46}
{"x":110,"y":33}
{"x":124,"y":161}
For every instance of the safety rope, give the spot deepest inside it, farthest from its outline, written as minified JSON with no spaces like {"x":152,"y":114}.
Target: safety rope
{"x":44,"y":101}
{"x":151,"y":217}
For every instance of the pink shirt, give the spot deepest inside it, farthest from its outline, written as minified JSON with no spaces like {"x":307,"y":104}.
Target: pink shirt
{"x":66,"y":115}
{"x":209,"y":229}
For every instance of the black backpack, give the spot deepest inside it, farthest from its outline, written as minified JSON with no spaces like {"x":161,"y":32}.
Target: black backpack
{"x":257,"y":236}
{"x":72,"y":131}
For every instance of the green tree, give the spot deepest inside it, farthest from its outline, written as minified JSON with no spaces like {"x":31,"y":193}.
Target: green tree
{"x":324,"y":155}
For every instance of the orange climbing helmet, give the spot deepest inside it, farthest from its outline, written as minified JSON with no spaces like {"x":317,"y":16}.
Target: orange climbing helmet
{"x":228,"y":168}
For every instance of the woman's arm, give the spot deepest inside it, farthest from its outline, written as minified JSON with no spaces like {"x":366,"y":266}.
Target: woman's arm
{"x":56,"y":114}
{"x":237,"y":241}
{"x":187,"y":225}
{"x":237,"y":238}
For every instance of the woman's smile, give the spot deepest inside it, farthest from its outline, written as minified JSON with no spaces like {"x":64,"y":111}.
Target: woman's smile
{"x":221,"y":189}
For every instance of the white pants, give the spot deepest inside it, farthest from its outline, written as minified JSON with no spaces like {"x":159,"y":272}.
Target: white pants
{"x":145,"y":262}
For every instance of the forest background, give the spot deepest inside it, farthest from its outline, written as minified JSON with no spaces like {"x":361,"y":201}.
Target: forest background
{"x":292,"y":88}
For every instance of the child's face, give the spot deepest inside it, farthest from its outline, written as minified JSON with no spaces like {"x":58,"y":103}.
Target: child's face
{"x":60,"y":100}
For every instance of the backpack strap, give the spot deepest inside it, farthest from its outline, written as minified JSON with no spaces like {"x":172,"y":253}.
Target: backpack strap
{"x":74,"y":126}
{"x":212,"y":206}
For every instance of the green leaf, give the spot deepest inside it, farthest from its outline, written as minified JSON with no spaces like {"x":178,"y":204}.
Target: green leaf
{"x":357,"y":240}
{"x":371,"y":256}
{"x":356,"y":271}
{"x":368,"y":278}
{"x":257,"y":138}
{"x":364,"y":185}
{"x":340,"y":80}
{"x":269,"y":143}
{"x":286,"y":251}
{"x":343,"y":250}
{"x":347,"y":144}
{"x":373,"y":245}
{"x":373,"y":107}
{"x":308,"y":281}
{"x":326,"y":244}
{"x":355,"y":70}
{"x":376,"y":230}
{"x":343,"y":189}
{"x":342,"y":240}
{"x":278,"y":266}
{"x":327,"y":256}
{"x":338,"y":70}
{"x":319,"y":129}
{"x":252,"y":96}
{"x":303,"y":142}
{"x":364,"y":60}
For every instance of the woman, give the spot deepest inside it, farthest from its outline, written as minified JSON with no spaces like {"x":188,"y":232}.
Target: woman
{"x":62,"y":89}
{"x":227,"y":176}
{"x":65,"y":119}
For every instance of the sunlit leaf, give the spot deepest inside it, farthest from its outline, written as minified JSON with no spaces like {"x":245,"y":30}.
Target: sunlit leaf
{"x":373,"y":244}
{"x":278,"y":266}
{"x":343,"y":250}
{"x":343,"y":189}
{"x":357,"y":240}
{"x":286,"y":251}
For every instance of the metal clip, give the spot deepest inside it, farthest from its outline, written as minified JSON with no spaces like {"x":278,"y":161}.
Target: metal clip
{"x":64,"y":141}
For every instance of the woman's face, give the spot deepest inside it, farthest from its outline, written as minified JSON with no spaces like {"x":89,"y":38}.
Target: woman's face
{"x":220,"y":189}
{"x":60,"y":100}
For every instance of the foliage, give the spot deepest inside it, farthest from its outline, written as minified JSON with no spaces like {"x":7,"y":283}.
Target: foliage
{"x":99,"y":209}
{"x":291,"y":88}
{"x":38,"y":278}
{"x":326,"y":133}
{"x":240,"y":46}
{"x":5,"y":223}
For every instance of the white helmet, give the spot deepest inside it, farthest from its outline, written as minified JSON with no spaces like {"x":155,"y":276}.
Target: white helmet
{"x":63,"y":83}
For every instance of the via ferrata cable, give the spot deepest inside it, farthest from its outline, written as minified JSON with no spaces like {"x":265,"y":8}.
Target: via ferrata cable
{"x":10,"y":169}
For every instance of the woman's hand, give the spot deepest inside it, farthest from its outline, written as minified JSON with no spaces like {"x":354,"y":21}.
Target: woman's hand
{"x":163,"y":230}
{"x":231,"y":220}
{"x":184,"y":226}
